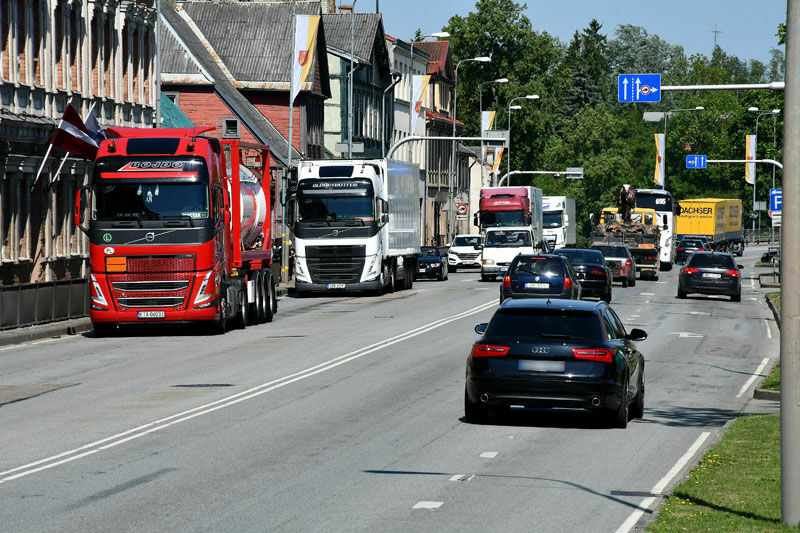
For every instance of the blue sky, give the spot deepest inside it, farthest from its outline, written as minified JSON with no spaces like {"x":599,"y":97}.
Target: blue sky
{"x":748,"y":27}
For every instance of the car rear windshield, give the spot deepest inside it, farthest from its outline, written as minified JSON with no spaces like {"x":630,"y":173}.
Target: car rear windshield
{"x":582,"y":257}
{"x":691,"y":243}
{"x":430,"y":250}
{"x":613,"y":251}
{"x":534,"y":325}
{"x":537,"y":266}
{"x":711,"y":261}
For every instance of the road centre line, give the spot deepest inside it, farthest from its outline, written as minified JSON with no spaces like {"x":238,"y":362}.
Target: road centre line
{"x":647,"y":294}
{"x":769,"y":332}
{"x":427,"y":505}
{"x":753,"y":377}
{"x":659,"y":487}
{"x":752,"y":283}
{"x":163,"y":423}
{"x":488,"y":455}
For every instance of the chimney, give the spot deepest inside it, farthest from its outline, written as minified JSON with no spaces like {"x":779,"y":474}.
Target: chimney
{"x":345,"y":10}
{"x":328,"y":6}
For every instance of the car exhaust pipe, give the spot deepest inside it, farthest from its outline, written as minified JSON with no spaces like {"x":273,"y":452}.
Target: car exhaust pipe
{"x":596,"y":401}
{"x":484,"y":398}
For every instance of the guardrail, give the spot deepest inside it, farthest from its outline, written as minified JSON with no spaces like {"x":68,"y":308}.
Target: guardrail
{"x":763,"y":236}
{"x":29,"y":304}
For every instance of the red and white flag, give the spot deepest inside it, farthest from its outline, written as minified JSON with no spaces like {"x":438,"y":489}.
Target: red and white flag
{"x":73,"y":136}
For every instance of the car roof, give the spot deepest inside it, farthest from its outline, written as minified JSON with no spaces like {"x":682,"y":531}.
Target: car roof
{"x":543,"y":256}
{"x":713,"y":253}
{"x":557,"y":304}
{"x":582,"y":250}
{"x":467,"y":235}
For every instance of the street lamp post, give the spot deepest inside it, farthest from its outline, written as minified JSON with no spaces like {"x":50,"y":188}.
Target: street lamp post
{"x":666,"y":117}
{"x":773,"y":112}
{"x":434,"y":35}
{"x":510,"y":107}
{"x":480,"y":105}
{"x":453,"y":166}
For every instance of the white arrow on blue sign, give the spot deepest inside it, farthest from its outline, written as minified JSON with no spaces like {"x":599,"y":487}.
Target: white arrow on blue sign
{"x":775,"y":200}
{"x":634,"y":88}
{"x":695,"y":161}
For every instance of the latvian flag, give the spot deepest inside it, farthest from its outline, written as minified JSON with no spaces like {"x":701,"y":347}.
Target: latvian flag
{"x":73,"y":136}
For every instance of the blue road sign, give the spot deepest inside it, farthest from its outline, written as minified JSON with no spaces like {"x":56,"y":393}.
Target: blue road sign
{"x":775,"y":200}
{"x":634,"y":88}
{"x":695,"y":161}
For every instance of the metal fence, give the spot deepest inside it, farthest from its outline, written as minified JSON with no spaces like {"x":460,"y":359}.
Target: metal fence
{"x":42,"y":302}
{"x":763,"y":236}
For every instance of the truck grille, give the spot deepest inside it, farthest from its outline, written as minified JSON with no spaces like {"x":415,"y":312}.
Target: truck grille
{"x":335,"y":264}
{"x":153,"y":282}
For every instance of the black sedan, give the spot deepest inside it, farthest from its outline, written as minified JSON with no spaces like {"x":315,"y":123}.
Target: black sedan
{"x":559,"y":353}
{"x":590,"y":267}
{"x":687,"y":247}
{"x":432,"y":264}
{"x":540,"y":276}
{"x":711,"y":273}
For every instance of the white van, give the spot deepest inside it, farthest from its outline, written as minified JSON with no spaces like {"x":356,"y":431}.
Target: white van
{"x":501,"y":245}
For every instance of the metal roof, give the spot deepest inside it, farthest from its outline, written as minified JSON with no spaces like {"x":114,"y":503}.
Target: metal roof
{"x":338,"y":32}
{"x":441,"y":63}
{"x":262,"y":129}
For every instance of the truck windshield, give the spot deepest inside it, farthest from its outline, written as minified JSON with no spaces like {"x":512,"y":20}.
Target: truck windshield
{"x":552,"y":219}
{"x":326,"y":209}
{"x":508,"y":239}
{"x":502,"y":218}
{"x":151,"y":200}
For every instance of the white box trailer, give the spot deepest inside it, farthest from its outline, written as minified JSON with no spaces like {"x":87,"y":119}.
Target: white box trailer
{"x":356,"y":224}
{"x":558,"y":213}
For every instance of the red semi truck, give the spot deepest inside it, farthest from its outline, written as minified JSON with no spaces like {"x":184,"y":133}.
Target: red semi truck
{"x":181,"y":228}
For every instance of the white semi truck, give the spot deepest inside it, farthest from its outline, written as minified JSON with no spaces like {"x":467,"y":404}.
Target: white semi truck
{"x":558,"y":214}
{"x":667,"y":210}
{"x":356,"y":225}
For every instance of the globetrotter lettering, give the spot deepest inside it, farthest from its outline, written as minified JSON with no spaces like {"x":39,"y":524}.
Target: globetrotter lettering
{"x":141,"y":166}
{"x":336,"y":185}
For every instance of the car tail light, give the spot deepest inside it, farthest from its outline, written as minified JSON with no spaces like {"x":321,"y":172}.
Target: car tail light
{"x":732,"y":273}
{"x":507,"y":282}
{"x":597,"y":272}
{"x":680,"y":249}
{"x":601,"y":355}
{"x":567,"y":283}
{"x":690,"y":270}
{"x":490,"y":350}
{"x":701,"y":249}
{"x":628,"y":263}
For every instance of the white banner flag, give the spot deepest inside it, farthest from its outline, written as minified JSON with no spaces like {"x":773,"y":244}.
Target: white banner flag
{"x":750,"y":151}
{"x":305,"y":38}
{"x":419,"y":86}
{"x":658,"y":178}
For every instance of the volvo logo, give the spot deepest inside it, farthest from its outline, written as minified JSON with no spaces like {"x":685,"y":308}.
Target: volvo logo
{"x":540,"y":349}
{"x":149,"y":236}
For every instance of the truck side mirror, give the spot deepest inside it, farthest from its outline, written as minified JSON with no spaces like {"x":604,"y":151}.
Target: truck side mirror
{"x":78,"y":212}
{"x":384,"y":218}
{"x":475,"y":220}
{"x":528,"y":220}
{"x":566,"y":219}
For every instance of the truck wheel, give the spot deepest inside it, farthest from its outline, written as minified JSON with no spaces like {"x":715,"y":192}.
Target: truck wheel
{"x":256,"y":311}
{"x":269,"y":297}
{"x":104,"y":329}
{"x":221,"y":324}
{"x":274,"y":300}
{"x":391,"y":274}
{"x":242,"y":315}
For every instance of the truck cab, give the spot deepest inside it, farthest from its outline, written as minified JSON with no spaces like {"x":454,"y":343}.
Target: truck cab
{"x":511,"y":207}
{"x":558,"y":217}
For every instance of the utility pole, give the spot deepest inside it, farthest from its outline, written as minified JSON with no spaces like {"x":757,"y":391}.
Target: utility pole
{"x":790,"y":276}
{"x":285,"y":181}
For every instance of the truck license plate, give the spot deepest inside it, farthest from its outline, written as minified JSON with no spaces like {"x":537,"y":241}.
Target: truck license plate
{"x":150,"y":314}
{"x":335,"y":285}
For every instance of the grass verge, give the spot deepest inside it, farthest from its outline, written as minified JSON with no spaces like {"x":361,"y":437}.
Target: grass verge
{"x":736,"y":486}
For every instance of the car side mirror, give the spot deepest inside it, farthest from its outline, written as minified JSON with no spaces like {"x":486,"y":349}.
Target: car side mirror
{"x":480,"y":329}
{"x":740,"y":267}
{"x":636,"y":334}
{"x":78,"y":209}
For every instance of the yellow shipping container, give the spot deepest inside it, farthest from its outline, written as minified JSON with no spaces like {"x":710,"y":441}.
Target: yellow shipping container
{"x":717,"y":218}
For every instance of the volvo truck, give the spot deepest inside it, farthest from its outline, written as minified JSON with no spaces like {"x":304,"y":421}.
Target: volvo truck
{"x":511,"y":207}
{"x":180,"y":229}
{"x":356,"y":225}
{"x":558,"y":216}
{"x":666,"y":209}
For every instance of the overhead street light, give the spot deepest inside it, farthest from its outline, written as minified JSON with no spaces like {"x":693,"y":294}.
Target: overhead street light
{"x":480,"y":104}
{"x":453,"y":165}
{"x":438,"y":34}
{"x":510,"y":107}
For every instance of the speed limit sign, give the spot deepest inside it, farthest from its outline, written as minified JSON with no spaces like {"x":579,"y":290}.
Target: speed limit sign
{"x":461,"y":209}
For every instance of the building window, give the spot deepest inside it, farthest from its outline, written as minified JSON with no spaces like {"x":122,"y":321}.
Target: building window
{"x":174,"y":98}
{"x":231,"y":128}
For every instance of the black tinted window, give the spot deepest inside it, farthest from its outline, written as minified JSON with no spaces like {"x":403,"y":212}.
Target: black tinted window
{"x":532,"y":325}
{"x":691,"y":243}
{"x":711,"y":261}
{"x":537,"y":266}
{"x":613,"y":251}
{"x":582,"y":257}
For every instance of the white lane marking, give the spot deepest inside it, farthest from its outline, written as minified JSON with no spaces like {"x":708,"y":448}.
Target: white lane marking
{"x":769,"y":331}
{"x":701,"y":313}
{"x":752,"y":283}
{"x":427,"y":505}
{"x":753,"y":377}
{"x":687,"y":335}
{"x":639,"y":310}
{"x":44,"y":341}
{"x":647,"y":294}
{"x":157,"y":425}
{"x":488,"y":455}
{"x":659,"y":487}
{"x":634,"y":316}
{"x":662,"y":282}
{"x":462,"y":477}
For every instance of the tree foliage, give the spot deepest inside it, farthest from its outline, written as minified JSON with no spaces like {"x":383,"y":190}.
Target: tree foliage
{"x":578,"y":122}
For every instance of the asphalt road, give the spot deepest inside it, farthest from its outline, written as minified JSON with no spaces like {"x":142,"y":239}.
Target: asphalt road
{"x":346,"y":414}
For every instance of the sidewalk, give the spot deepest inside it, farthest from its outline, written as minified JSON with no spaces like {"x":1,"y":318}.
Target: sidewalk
{"x":77,"y":326}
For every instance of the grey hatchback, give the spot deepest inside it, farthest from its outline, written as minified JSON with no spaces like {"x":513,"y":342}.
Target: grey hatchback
{"x":620,"y":262}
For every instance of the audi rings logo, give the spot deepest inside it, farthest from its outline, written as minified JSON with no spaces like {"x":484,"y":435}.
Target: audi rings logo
{"x":149,"y":236}
{"x":540,"y":349}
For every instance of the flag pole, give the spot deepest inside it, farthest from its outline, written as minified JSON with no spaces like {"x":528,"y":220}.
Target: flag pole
{"x":44,"y":160}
